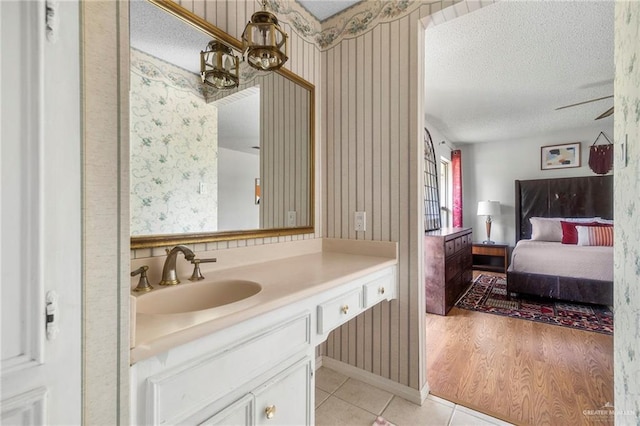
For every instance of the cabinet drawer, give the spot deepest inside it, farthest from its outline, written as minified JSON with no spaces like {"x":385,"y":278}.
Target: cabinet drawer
{"x":451,"y":292}
{"x":449,"y":248}
{"x":452,"y":267}
{"x":489,"y":251}
{"x":458,"y":243}
{"x":379,"y":289}
{"x":177,"y":394}
{"x":339,"y":310}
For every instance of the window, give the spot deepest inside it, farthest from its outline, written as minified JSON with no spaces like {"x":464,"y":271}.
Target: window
{"x":445,"y":191}
{"x":431,"y":192}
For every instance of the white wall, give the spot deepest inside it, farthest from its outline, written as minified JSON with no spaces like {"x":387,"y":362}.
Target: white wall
{"x":237,"y":172}
{"x":490,"y":169}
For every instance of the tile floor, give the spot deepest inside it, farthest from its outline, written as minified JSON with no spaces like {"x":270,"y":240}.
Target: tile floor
{"x":341,"y":400}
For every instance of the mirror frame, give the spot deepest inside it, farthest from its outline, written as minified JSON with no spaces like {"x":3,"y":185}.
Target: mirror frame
{"x":161,"y":240}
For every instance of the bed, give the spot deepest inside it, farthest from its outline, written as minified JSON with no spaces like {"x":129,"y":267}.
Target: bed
{"x":550,"y":268}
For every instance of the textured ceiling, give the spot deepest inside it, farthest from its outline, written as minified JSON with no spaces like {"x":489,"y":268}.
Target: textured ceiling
{"x":323,"y":9}
{"x":498,"y":73}
{"x":164,"y":36}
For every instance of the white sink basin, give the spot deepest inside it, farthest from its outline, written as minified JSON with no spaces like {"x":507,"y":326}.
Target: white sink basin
{"x":198,"y":296}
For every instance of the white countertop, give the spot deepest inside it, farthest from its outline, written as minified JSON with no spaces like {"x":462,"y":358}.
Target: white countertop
{"x":284,"y":281}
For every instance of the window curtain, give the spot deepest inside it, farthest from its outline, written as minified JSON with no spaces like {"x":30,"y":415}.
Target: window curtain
{"x":456,"y":178}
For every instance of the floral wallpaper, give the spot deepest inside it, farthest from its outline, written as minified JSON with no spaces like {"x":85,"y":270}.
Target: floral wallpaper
{"x":174,"y":150}
{"x":348,"y":24}
{"x":627,"y":217}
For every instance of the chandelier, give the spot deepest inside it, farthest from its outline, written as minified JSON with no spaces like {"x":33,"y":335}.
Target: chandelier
{"x":264,"y":42}
{"x":219,"y":67}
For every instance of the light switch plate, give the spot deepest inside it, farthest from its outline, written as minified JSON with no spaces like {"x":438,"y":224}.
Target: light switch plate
{"x":360,"y":221}
{"x":291,"y":218}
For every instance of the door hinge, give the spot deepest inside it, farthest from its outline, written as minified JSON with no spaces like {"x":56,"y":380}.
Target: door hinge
{"x":52,"y":314}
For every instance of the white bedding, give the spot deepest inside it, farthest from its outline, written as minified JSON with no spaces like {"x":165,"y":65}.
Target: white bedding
{"x":566,"y":260}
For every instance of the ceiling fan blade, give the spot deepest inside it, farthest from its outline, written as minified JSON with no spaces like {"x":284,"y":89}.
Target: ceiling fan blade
{"x":585,"y":102}
{"x":605,"y":114}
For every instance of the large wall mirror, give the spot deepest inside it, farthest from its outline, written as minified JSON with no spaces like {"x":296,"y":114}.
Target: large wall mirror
{"x":206,"y":164}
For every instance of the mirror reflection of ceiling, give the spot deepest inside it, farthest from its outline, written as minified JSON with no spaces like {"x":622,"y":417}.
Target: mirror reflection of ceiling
{"x":159,"y":34}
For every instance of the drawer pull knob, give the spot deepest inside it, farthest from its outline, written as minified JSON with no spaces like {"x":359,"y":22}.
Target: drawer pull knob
{"x":345,"y":309}
{"x":381,"y":290}
{"x":270,"y":411}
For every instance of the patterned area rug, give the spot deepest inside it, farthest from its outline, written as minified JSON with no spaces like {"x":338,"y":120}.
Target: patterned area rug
{"x":489,"y":294}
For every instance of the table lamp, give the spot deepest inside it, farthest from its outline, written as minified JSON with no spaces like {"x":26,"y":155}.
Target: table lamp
{"x":488,"y":208}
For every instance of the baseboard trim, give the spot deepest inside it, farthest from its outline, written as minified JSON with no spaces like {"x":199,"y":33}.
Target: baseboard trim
{"x":410,"y":394}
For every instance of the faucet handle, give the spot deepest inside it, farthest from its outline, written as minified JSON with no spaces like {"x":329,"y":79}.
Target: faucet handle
{"x":197,"y":274}
{"x":143,"y":283}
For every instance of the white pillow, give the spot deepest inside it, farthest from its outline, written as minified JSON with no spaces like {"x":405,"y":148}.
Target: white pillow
{"x":550,"y":228}
{"x":546,"y":229}
{"x":581,"y":219}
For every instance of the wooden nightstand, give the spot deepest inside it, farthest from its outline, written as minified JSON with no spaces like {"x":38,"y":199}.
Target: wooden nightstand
{"x":490,"y":257}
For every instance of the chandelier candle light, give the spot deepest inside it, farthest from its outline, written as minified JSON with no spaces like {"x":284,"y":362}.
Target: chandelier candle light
{"x":488,"y":208}
{"x":264,"y":42}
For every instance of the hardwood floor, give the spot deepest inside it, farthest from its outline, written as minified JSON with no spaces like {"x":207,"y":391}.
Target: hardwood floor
{"x":520,"y":371}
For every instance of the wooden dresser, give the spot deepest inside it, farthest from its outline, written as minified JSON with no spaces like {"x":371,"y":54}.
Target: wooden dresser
{"x":447,"y":267}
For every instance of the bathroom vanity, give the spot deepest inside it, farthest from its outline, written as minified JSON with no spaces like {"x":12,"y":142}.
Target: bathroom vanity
{"x":253,"y":361}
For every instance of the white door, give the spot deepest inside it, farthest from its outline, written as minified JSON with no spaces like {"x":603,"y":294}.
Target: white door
{"x":40,"y":212}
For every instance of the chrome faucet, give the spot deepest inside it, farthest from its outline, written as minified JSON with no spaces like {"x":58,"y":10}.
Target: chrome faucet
{"x":169,"y":275}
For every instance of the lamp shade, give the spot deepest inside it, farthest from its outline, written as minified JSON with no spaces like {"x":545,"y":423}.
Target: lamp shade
{"x":488,"y":208}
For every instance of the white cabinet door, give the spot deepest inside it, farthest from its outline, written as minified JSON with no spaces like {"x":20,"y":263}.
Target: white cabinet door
{"x":240,"y":413}
{"x":40,"y":217}
{"x":287,"y":398}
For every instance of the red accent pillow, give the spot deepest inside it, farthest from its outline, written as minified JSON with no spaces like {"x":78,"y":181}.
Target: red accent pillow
{"x":569,"y":232}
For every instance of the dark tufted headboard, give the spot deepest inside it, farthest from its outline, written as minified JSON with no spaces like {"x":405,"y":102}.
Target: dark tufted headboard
{"x":587,"y":196}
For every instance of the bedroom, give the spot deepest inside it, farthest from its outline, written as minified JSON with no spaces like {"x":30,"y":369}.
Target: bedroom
{"x":494,"y":91}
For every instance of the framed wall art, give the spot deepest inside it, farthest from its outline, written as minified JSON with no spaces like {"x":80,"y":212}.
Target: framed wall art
{"x":560,"y":156}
